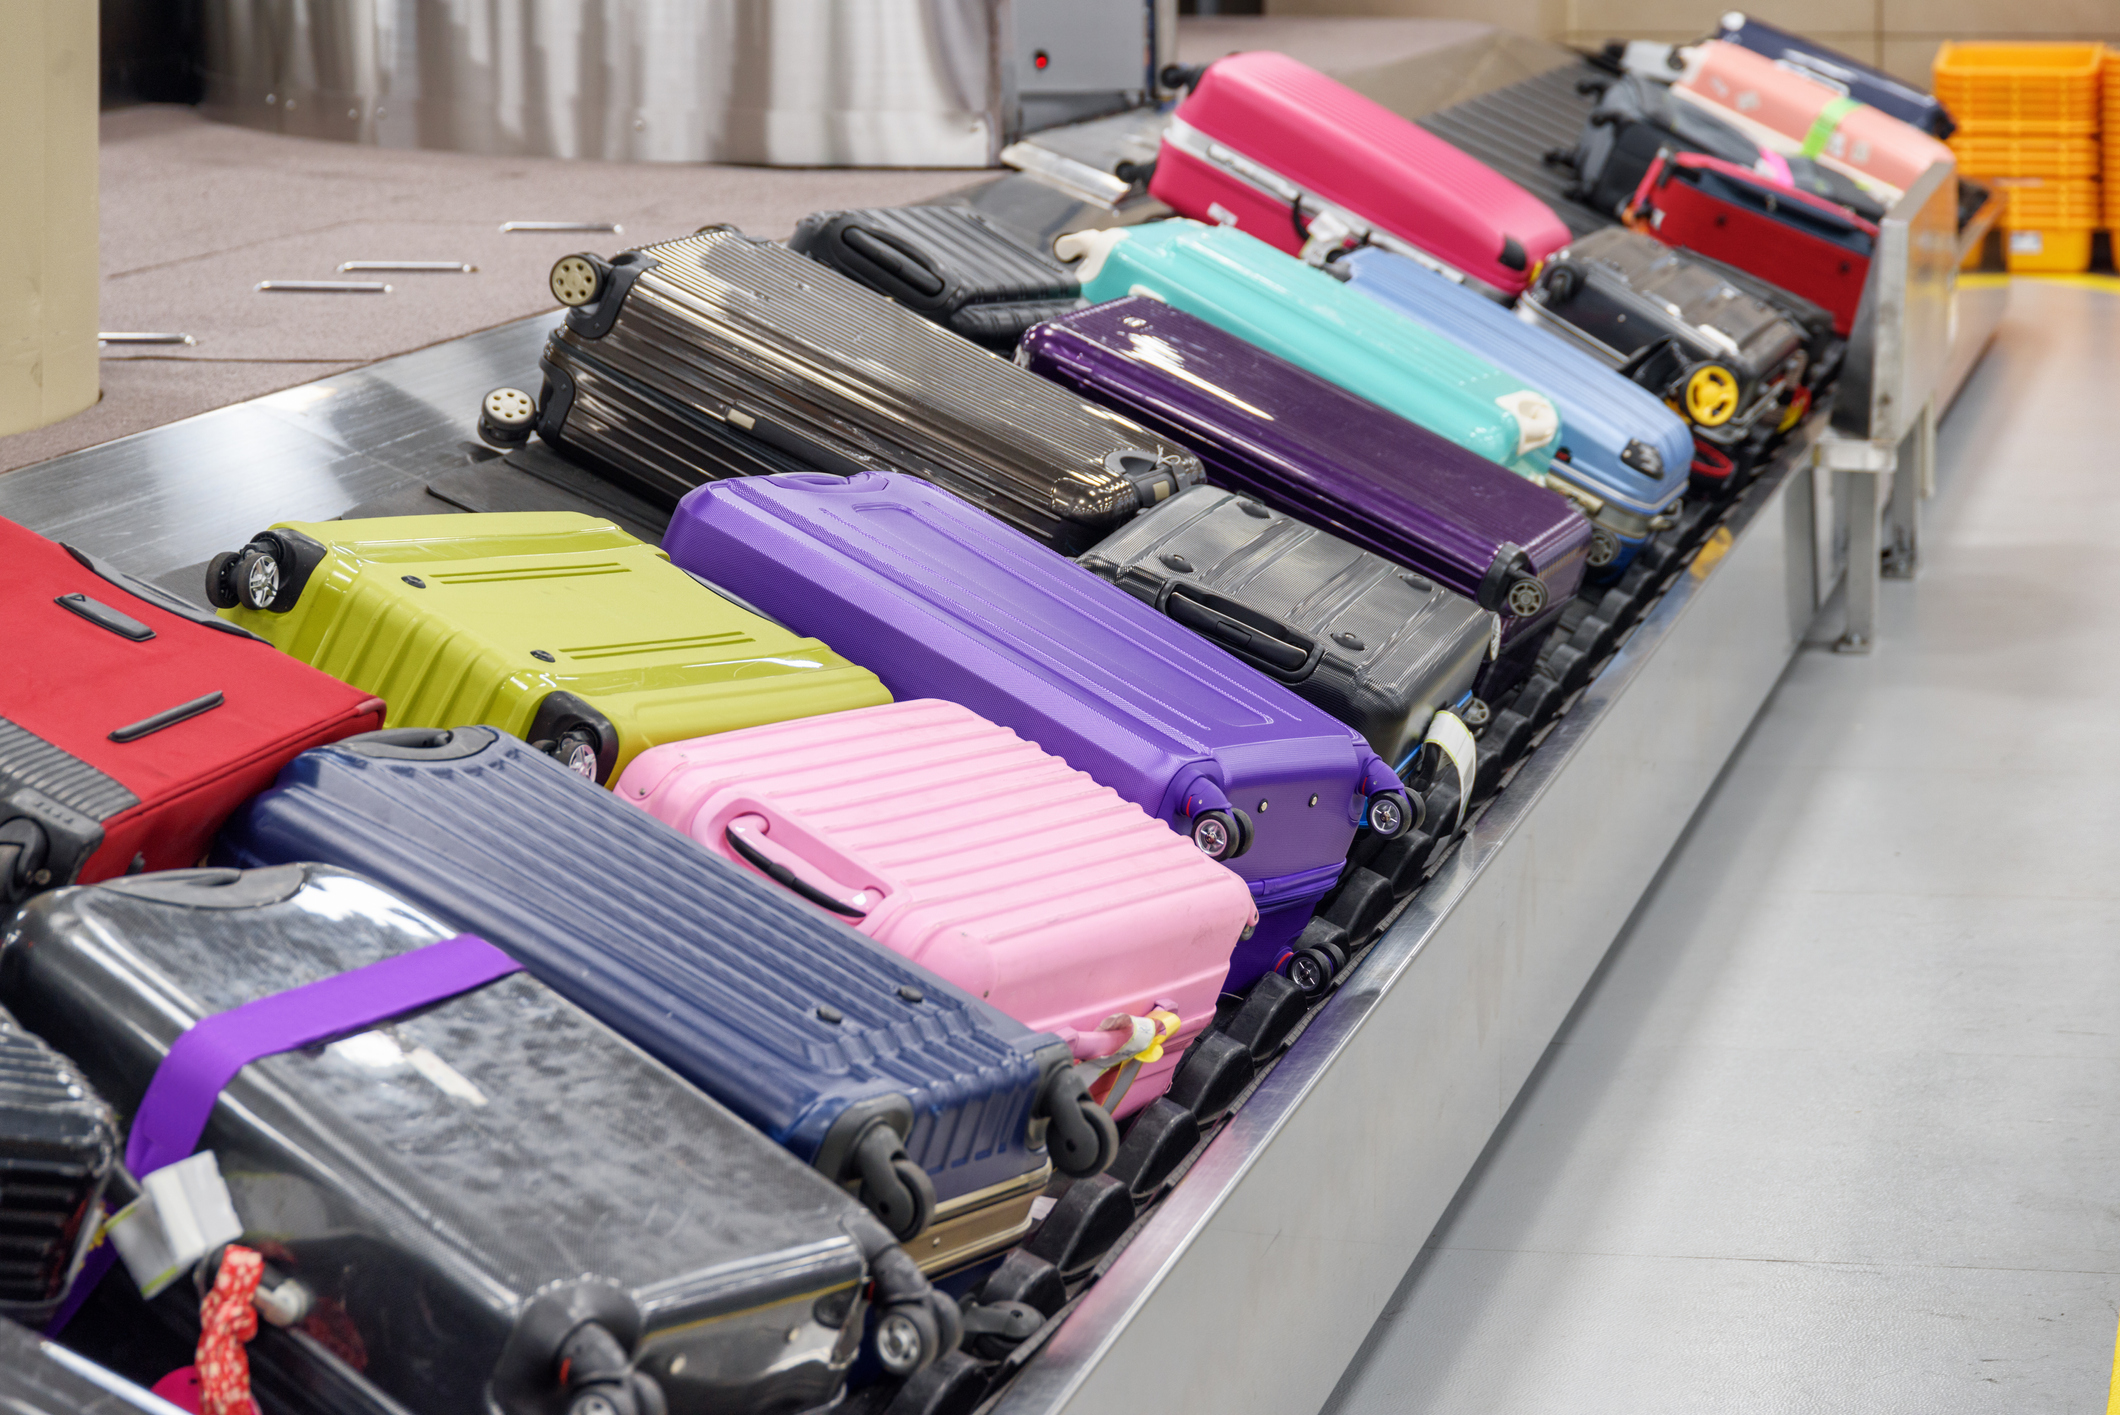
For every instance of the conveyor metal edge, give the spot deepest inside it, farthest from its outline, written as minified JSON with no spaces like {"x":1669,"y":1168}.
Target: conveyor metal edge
{"x":1257,"y":1279}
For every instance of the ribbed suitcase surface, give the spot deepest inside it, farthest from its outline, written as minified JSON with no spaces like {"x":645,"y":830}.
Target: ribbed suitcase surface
{"x":1618,"y":292}
{"x":950,"y":604}
{"x":1373,"y":643}
{"x":58,"y":1144}
{"x":1327,"y":457}
{"x":748,"y":334}
{"x":952,"y":841}
{"x":1801,"y":243}
{"x":950,"y":264}
{"x":1271,"y":146}
{"x":128,"y":727}
{"x":552,"y":625}
{"x":1305,"y":316}
{"x":1624,"y":447}
{"x":424,"y":1179}
{"x":799,"y":1025}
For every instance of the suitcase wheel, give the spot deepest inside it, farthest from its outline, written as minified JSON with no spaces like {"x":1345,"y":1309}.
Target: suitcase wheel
{"x":579,"y":279}
{"x":1080,"y":1134}
{"x":893,"y":1188}
{"x":249,"y":578}
{"x":1711,"y":394}
{"x":1604,"y":547}
{"x":1220,"y":834}
{"x":505,"y":417}
{"x":908,"y":1338}
{"x":1391,"y":813}
{"x":1313,"y":970}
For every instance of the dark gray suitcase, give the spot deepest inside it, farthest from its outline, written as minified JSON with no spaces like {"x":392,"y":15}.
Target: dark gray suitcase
{"x":953,"y":265}
{"x":1374,"y":644}
{"x":729,"y":356}
{"x":58,"y":1146}
{"x":1672,"y":322}
{"x":448,"y":1185}
{"x":38,"y":1377}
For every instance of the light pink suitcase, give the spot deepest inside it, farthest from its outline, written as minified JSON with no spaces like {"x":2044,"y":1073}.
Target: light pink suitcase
{"x":984,"y":858}
{"x":1785,"y":111}
{"x":1302,"y":162}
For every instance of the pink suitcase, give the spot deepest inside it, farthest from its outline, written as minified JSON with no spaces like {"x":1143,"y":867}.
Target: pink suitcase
{"x":1286,"y":154}
{"x":1785,"y":111}
{"x":984,"y":858}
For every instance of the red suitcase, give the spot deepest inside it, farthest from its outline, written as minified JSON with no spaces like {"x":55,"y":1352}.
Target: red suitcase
{"x":1306,"y":164}
{"x":132,"y":723}
{"x":1803,"y":243}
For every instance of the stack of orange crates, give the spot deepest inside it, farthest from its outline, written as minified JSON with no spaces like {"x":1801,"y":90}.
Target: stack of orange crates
{"x":2111,"y":117}
{"x":2029,"y":119}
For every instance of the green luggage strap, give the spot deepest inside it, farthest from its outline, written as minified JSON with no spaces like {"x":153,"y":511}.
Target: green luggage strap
{"x":1829,"y":118}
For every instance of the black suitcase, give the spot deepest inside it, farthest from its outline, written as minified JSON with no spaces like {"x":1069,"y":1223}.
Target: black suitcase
{"x":1375,"y":644}
{"x":1823,"y":348}
{"x":953,"y":265}
{"x":717,"y":355}
{"x":1637,"y":117}
{"x":455,"y":1189}
{"x":1731,"y":363}
{"x":39,"y":1377}
{"x":58,"y":1145}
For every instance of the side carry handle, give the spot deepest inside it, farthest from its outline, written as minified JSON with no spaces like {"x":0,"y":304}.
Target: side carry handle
{"x":783,"y":876}
{"x":1252,"y":642}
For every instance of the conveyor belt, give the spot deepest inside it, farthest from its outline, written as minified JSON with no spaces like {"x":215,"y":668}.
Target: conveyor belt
{"x":1511,"y":129}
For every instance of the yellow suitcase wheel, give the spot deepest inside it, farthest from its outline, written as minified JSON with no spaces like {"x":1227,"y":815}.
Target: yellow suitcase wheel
{"x":1711,"y":395}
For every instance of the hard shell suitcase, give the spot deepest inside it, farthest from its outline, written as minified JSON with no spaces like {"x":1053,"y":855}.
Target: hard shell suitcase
{"x":1801,"y":243}
{"x":1636,"y":118}
{"x":131,"y":722}
{"x":553,"y":625}
{"x":1306,"y":317}
{"x":1732,"y":364}
{"x":727,"y":342}
{"x":953,"y":265}
{"x":456,"y":1143}
{"x":1277,"y":149}
{"x":951,"y":604}
{"x":58,"y":1146}
{"x":976,"y":854}
{"x":1333,"y":460}
{"x":1787,"y":110}
{"x":1376,"y":645}
{"x":1626,"y":454}
{"x":39,"y":1377}
{"x":860,"y":1063}
{"x":1836,"y":70}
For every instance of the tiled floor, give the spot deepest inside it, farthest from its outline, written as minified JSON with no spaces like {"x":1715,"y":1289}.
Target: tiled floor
{"x":1837,"y":1128}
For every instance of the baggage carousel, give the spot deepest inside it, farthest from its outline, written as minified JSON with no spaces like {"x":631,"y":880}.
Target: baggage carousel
{"x":1294,"y":1224}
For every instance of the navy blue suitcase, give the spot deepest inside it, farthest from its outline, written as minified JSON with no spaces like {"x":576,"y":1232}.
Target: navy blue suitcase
{"x":831,"y":1044}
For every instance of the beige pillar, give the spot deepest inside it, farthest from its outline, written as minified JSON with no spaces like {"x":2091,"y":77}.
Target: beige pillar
{"x":48,"y":266}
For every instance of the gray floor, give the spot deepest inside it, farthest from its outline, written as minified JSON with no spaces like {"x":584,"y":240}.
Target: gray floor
{"x":1837,"y":1127}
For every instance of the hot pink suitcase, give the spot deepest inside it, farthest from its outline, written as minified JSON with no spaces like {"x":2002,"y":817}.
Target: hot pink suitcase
{"x":981,"y":856}
{"x":1286,"y":154}
{"x":1785,"y":111}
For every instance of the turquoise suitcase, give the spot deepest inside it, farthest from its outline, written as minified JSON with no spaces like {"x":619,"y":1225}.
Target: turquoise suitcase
{"x":1240,"y":284}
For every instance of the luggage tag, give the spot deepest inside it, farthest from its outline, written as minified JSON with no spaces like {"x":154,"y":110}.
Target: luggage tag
{"x":183,"y":1213}
{"x":1449,"y":732}
{"x":1108,"y":1077}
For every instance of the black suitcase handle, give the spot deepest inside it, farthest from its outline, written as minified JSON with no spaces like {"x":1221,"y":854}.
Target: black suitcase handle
{"x":1243,"y":636}
{"x":786,"y":878}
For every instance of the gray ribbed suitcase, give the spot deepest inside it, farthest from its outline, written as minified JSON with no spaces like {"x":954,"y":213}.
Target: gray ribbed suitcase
{"x":733,"y":356}
{"x":1378,"y":646}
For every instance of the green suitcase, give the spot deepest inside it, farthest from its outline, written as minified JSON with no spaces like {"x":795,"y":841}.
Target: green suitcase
{"x":552,"y":625}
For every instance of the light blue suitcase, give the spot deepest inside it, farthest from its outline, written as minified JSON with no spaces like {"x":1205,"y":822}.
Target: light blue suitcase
{"x":1240,"y":284}
{"x":1626,"y":453}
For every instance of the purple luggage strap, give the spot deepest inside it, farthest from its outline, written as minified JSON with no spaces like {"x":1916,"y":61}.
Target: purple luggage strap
{"x":207,"y":1055}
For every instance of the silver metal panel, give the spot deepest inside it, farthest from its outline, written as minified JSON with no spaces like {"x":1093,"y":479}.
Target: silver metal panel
{"x":800,"y":83}
{"x":1253,"y":1284}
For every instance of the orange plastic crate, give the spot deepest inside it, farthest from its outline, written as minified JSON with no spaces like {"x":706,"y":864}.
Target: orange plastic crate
{"x":2023,"y":90}
{"x":1983,"y":156}
{"x":2042,"y":252}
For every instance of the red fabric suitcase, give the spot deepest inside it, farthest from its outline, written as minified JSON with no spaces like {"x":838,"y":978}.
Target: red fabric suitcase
{"x":1304,"y":163}
{"x":1802,"y":243}
{"x":131,"y":723}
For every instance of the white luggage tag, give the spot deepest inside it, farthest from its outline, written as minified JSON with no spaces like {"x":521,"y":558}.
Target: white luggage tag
{"x":183,"y":1213}
{"x":1108,"y":1077}
{"x":1449,"y":732}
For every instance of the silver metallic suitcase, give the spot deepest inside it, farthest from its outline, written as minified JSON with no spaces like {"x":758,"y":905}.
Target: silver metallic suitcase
{"x":1376,"y":645}
{"x":718,"y":355}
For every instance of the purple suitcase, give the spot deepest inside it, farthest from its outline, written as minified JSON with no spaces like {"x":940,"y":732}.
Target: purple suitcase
{"x":1310,"y":448}
{"x":945,"y":601}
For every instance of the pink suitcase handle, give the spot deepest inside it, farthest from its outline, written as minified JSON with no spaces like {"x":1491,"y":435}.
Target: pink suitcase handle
{"x":774,"y":846}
